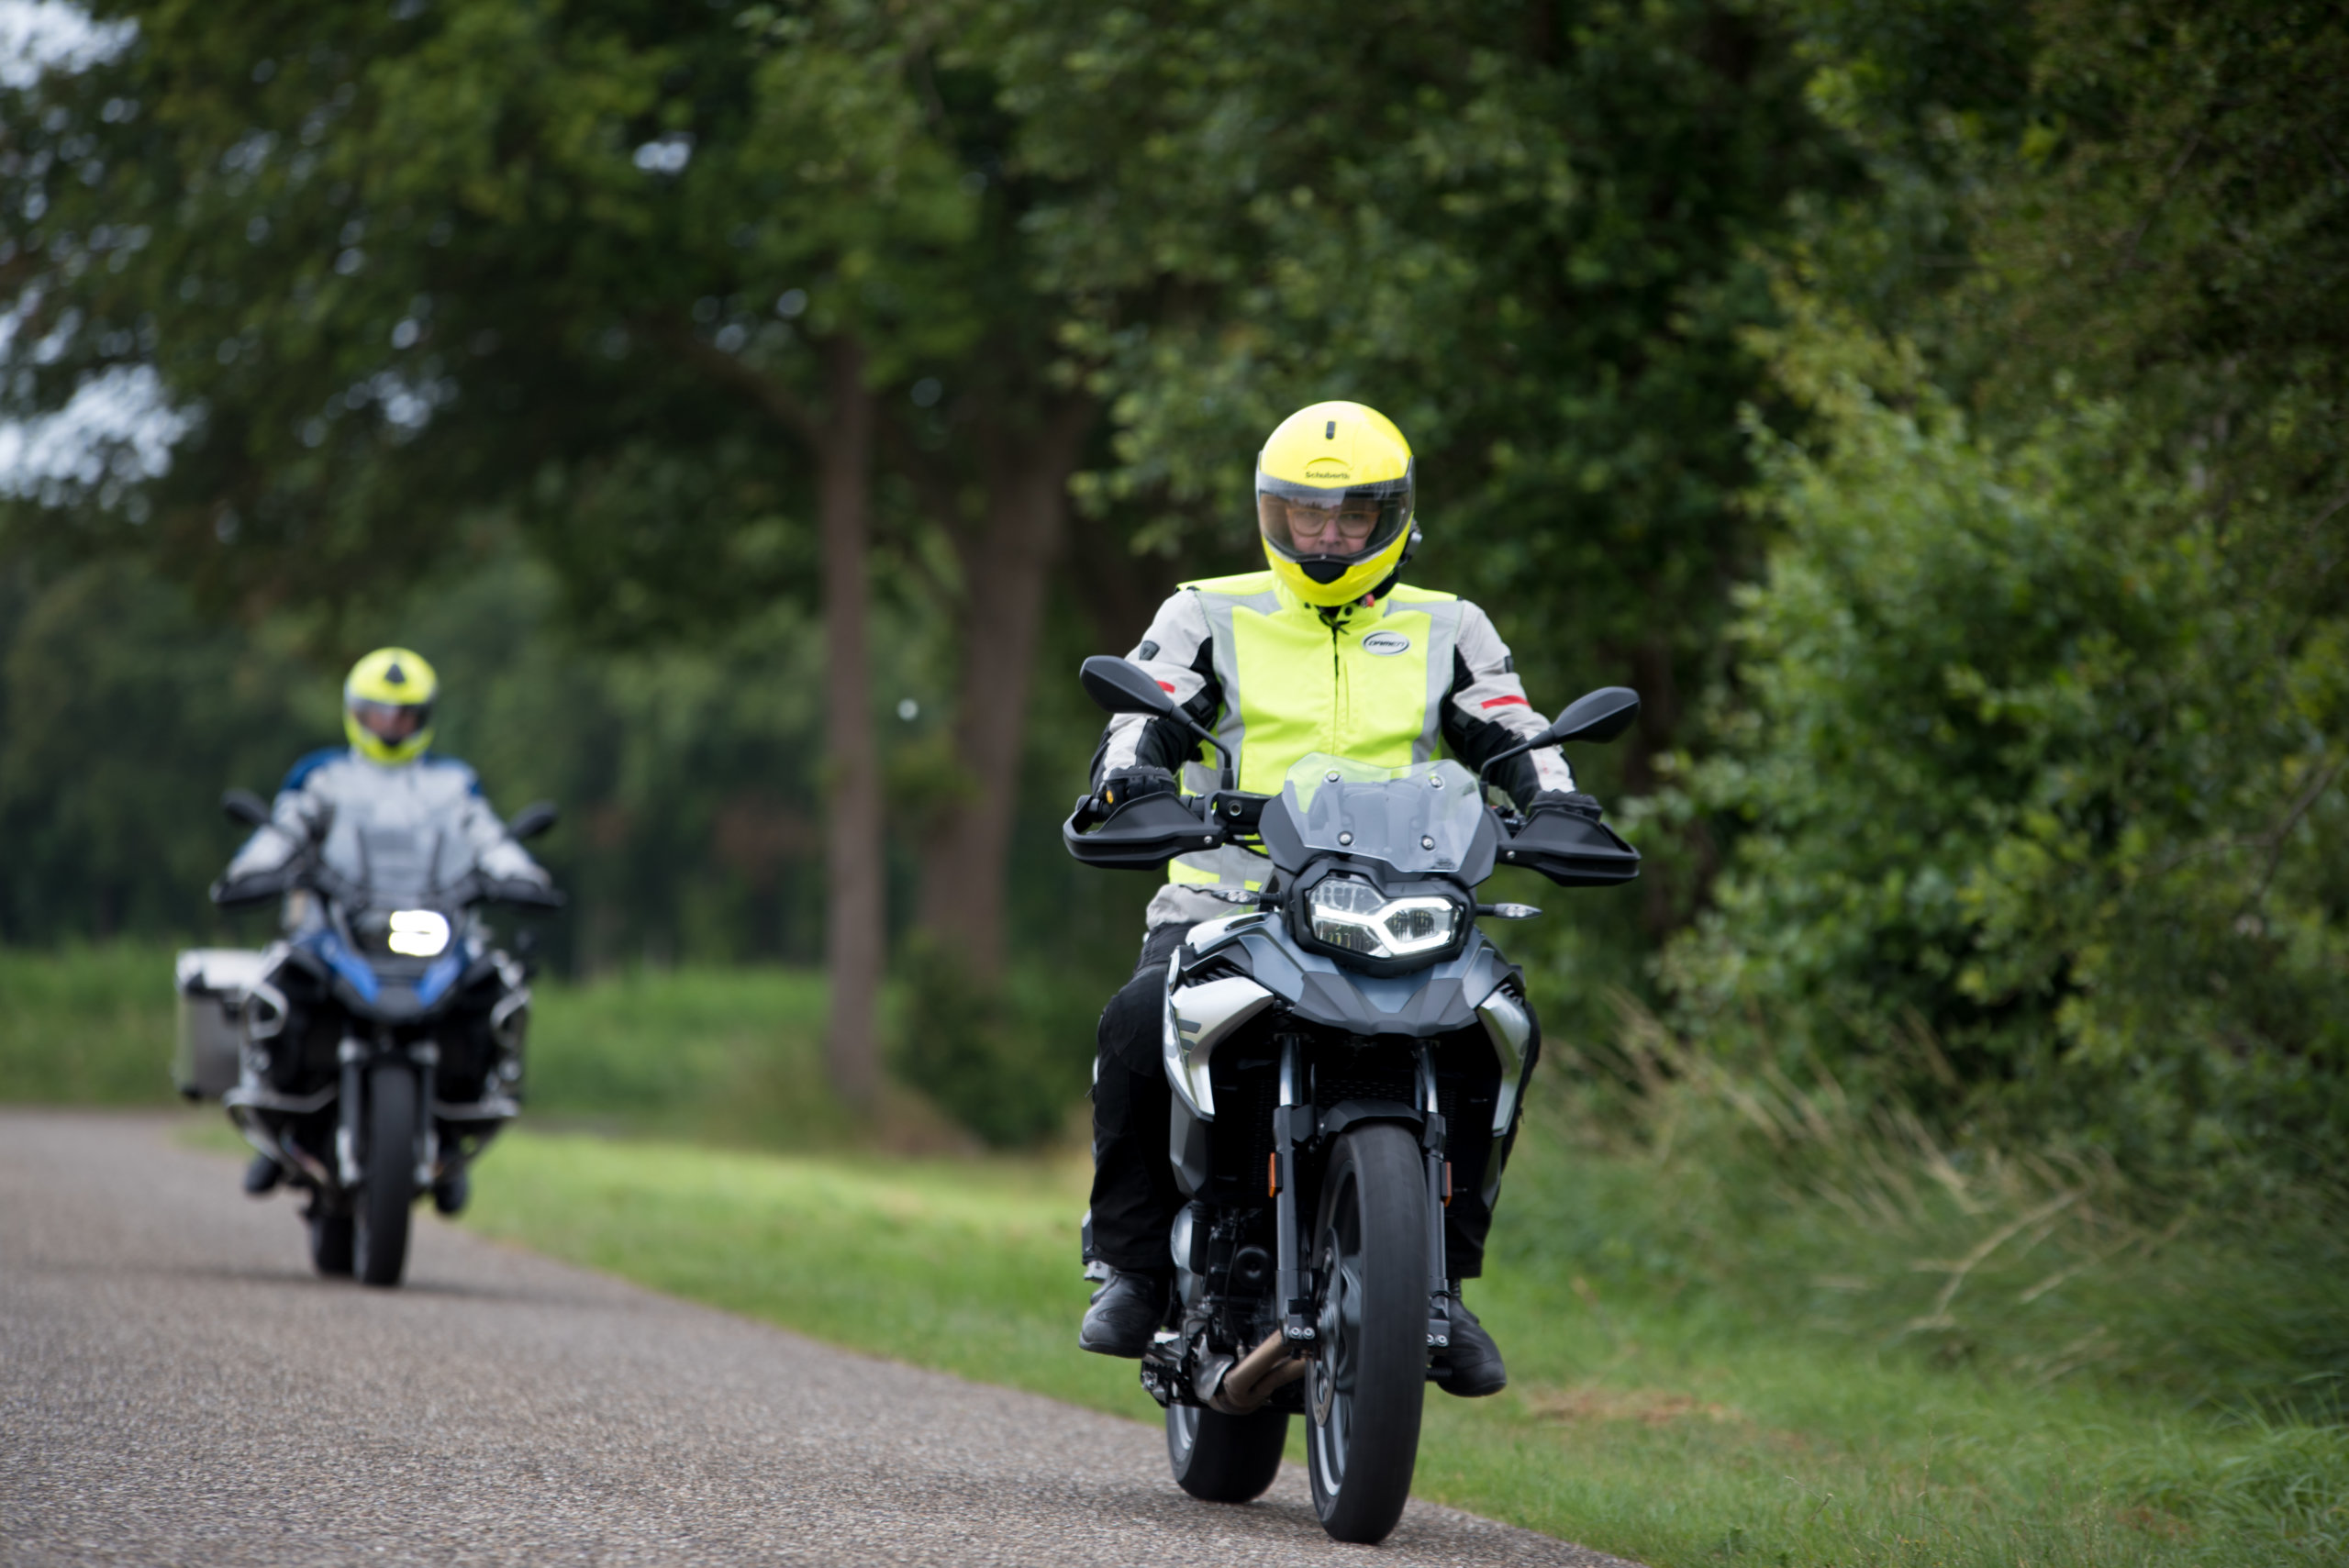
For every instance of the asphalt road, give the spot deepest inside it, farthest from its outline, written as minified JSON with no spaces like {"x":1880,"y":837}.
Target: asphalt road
{"x":176,"y":1387}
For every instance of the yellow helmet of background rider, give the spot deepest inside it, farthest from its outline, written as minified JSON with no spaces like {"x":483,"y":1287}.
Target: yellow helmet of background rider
{"x":387,"y":705}
{"x":1333,"y":501}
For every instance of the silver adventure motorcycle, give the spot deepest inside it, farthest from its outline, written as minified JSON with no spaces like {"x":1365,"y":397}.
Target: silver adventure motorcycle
{"x":1342,"y":1052}
{"x":378,"y":1043}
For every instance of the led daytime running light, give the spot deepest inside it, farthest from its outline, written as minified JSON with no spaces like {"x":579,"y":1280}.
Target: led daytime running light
{"x":1348,"y":913}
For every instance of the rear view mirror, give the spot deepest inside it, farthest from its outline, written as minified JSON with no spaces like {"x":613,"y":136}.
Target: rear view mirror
{"x":1599,"y":716}
{"x":1121,"y":687}
{"x":243,"y":806}
{"x":534,"y":819}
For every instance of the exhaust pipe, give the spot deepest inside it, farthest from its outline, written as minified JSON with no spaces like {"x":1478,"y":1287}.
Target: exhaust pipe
{"x":1244,"y":1388}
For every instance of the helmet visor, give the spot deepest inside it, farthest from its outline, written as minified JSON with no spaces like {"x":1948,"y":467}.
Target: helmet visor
{"x":390,"y":722}
{"x":1305,"y":522}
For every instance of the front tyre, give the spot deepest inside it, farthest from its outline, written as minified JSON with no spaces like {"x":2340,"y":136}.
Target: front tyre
{"x":1225,"y":1459}
{"x":1364,"y":1388}
{"x":387,"y":1192}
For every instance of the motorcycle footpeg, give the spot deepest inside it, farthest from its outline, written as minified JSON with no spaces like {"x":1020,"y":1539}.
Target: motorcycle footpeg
{"x":1162,"y":1369}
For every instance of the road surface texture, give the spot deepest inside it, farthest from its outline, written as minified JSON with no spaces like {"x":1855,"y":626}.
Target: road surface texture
{"x":176,"y":1387}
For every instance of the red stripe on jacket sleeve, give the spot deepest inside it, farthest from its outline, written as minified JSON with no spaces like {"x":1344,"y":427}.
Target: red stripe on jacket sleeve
{"x":1497,"y":702}
{"x":1168,"y":684}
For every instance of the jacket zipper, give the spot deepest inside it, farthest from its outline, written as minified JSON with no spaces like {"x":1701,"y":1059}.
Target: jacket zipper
{"x":1338,"y":690}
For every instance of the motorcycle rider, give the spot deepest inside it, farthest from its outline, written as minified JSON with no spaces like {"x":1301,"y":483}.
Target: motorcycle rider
{"x":358,"y":804}
{"x":1327,"y":650}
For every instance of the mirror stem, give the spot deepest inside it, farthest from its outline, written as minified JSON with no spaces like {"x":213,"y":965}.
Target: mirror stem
{"x":1519,"y":749}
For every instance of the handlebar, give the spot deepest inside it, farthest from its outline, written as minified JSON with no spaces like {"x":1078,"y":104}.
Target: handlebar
{"x":303,"y":871}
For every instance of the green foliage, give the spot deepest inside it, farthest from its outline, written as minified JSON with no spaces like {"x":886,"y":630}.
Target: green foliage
{"x":402,"y":266}
{"x":687,"y":774}
{"x":723,"y":1055}
{"x":2033,"y":768}
{"x":86,"y":1026}
{"x":1007,"y":1061}
{"x":122,"y":718}
{"x":2034,"y":743}
{"x":1522,"y":230}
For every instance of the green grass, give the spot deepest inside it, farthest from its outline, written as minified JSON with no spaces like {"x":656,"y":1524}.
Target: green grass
{"x":86,"y":1026}
{"x":727,"y":1055}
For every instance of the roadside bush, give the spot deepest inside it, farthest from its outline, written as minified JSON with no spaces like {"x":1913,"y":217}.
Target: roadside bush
{"x":1009,"y":1062}
{"x":2033,"y":758}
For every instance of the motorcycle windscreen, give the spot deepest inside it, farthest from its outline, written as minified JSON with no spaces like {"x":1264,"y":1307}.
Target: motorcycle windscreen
{"x":397,"y":858}
{"x":1420,"y":818}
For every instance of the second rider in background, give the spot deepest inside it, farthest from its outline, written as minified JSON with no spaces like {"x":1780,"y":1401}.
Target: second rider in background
{"x":384,"y":795}
{"x":1328,"y":651}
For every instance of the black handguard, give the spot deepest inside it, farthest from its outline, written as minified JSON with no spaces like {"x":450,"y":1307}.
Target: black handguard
{"x":257,"y":887}
{"x":521,"y":890}
{"x":1562,"y":838}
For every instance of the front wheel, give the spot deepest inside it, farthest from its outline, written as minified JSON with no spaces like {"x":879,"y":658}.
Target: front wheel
{"x":1364,"y":1388}
{"x":387,"y":1196}
{"x":1225,"y":1459}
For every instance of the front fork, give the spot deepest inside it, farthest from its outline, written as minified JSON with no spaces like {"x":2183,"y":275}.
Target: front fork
{"x":1433,"y":1143}
{"x":353,"y":1056}
{"x":1293,"y":1124}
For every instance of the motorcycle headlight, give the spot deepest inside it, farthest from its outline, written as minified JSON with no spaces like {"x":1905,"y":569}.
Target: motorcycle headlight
{"x":1348,"y":913}
{"x":417,"y":933}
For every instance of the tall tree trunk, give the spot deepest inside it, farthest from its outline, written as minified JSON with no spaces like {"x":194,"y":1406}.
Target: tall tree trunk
{"x":855,"y":935}
{"x":1007,"y":561}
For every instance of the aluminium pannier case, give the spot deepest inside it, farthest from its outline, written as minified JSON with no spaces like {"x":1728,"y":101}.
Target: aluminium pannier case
{"x":212,"y":984}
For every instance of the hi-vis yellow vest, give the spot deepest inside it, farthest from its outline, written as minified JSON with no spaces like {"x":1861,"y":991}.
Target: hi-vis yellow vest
{"x":1366,"y":682}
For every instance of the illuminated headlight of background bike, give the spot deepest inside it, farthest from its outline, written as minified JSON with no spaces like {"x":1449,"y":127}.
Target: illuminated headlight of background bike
{"x":417,"y":933}
{"x":1348,"y":913}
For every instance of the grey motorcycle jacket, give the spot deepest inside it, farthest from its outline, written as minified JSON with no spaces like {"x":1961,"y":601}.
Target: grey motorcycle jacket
{"x":403,"y":829}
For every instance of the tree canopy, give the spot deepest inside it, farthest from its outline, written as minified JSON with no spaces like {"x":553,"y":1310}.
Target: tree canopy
{"x":1935,"y":410}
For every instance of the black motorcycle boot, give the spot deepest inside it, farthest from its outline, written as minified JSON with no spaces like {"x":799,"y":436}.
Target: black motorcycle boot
{"x":1126,"y":1311}
{"x":1474,"y":1360}
{"x":452,"y":1193}
{"x":262,"y":1175}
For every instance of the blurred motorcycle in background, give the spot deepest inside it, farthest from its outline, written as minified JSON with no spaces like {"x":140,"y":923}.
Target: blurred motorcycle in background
{"x":373,"y":1051}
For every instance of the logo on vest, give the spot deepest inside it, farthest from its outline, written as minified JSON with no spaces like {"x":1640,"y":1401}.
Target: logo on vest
{"x":1385,"y":644}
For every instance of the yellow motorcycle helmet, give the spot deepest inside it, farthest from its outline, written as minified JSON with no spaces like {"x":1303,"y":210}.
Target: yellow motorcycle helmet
{"x":1333,"y":501}
{"x":388,"y":706}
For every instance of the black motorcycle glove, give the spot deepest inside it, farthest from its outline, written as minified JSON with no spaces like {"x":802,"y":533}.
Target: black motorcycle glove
{"x":1135,"y":784}
{"x":1574,"y":802}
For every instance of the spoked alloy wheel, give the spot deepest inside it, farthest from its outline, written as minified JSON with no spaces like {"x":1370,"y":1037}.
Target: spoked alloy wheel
{"x":1225,"y":1459}
{"x":1363,"y":1390}
{"x":387,"y":1199}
